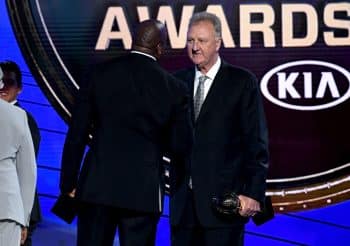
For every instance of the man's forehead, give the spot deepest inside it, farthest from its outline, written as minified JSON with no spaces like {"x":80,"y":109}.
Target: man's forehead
{"x":9,"y":80}
{"x":202,"y":27}
{"x":205,"y":23}
{"x":9,"y":76}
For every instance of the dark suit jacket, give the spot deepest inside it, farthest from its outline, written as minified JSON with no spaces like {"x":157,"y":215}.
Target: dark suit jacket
{"x":136,"y":111}
{"x":230,"y":146}
{"x":35,"y":215}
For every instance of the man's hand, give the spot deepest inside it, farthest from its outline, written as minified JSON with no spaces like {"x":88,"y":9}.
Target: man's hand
{"x":24,"y":234}
{"x":71,"y":194}
{"x":249,"y":206}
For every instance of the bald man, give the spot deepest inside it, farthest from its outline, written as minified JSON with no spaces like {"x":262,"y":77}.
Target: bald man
{"x":136,"y":112}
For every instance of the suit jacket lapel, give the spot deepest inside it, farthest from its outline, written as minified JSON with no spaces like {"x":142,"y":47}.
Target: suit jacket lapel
{"x":190,"y":83}
{"x":216,"y":91}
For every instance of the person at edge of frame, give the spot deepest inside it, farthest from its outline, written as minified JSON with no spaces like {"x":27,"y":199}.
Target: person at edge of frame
{"x":13,"y":86}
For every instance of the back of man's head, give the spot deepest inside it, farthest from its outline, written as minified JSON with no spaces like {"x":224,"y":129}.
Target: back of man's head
{"x":150,"y":37}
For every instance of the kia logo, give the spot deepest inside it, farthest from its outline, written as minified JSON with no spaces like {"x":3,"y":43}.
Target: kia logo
{"x":306,"y":85}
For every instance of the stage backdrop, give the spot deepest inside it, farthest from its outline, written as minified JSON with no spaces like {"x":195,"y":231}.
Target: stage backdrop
{"x":299,"y":51}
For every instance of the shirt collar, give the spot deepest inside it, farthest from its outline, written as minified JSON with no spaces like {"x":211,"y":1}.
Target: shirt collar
{"x":144,"y":54}
{"x":212,"y":71}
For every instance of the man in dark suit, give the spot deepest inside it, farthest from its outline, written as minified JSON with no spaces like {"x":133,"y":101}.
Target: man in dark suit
{"x":13,"y":85}
{"x":136,"y":112}
{"x":230,"y":144}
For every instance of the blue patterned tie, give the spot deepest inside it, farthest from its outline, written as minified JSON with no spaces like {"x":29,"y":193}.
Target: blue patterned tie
{"x":199,"y":97}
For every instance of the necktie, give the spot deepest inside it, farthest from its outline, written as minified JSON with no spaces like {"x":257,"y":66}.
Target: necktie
{"x":199,"y":97}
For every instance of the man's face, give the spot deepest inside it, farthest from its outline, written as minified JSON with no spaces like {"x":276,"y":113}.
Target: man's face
{"x":203,"y":45}
{"x":10,"y":90}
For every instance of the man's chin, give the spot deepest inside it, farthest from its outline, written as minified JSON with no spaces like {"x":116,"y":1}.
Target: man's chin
{"x":197,"y":61}
{"x":4,"y":97}
{"x":199,"y":65}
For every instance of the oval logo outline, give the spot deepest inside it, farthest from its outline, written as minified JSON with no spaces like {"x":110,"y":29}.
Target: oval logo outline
{"x":269,"y":74}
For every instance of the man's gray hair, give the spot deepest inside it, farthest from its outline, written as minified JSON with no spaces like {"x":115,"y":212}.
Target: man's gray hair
{"x":205,"y":16}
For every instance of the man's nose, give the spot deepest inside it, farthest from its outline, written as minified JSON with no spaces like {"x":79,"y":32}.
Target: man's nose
{"x":195,"y":46}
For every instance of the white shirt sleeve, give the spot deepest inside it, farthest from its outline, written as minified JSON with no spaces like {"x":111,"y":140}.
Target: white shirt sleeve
{"x":26,"y":170}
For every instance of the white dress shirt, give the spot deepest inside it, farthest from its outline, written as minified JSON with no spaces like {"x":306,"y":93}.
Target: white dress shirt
{"x":210,"y":77}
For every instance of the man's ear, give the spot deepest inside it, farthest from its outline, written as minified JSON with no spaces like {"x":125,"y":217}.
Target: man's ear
{"x":218,"y":43}
{"x":19,"y":90}
{"x":159,"y":49}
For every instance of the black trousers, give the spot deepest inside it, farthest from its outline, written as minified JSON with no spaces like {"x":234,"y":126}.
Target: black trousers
{"x":97,"y":226}
{"x":190,"y":232}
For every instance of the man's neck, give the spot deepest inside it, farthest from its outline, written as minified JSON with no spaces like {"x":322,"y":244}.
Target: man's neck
{"x":204,"y":69}
{"x":144,"y":50}
{"x":144,"y":54}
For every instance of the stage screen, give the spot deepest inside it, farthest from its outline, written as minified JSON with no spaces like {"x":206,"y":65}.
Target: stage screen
{"x":299,"y":51}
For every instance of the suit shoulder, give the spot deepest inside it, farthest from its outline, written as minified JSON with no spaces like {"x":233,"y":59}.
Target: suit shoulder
{"x":178,"y":84}
{"x":110,"y":63}
{"x":31,"y":119}
{"x":13,"y":114}
{"x":183,"y":73}
{"x":98,"y":72}
{"x":239,"y":71}
{"x":241,"y":74}
{"x":10,"y":109}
